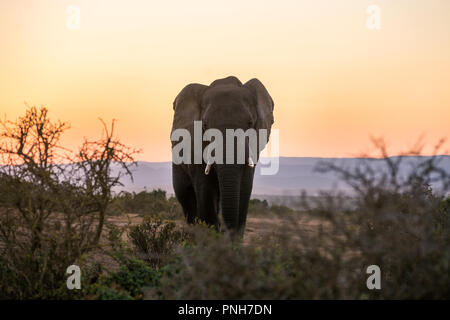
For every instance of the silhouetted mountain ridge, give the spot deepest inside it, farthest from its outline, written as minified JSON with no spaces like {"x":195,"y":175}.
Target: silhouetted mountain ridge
{"x":295,"y":174}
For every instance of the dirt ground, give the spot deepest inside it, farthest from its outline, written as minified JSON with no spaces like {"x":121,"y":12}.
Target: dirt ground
{"x":255,"y":226}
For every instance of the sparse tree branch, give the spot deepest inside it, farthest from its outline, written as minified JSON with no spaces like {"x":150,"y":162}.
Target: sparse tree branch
{"x":41,"y":187}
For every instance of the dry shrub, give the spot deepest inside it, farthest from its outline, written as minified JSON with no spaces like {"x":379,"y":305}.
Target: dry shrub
{"x":52,"y":203}
{"x":393,"y":219}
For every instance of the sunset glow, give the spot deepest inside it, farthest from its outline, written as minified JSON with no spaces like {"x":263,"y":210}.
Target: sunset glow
{"x":334,"y":82}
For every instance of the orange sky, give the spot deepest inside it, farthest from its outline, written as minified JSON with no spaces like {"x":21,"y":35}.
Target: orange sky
{"x":334,"y":82}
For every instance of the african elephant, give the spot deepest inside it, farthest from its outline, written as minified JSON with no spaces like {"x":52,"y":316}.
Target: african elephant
{"x":204,"y":189}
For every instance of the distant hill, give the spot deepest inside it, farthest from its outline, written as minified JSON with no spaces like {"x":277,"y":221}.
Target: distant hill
{"x":294,"y":175}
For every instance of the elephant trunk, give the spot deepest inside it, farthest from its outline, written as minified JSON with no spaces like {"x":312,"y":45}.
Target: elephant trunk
{"x":229,"y":176}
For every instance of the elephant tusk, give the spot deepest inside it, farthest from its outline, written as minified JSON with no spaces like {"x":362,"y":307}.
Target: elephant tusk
{"x":208,"y":161}
{"x":208,"y":167}
{"x":251,"y":164}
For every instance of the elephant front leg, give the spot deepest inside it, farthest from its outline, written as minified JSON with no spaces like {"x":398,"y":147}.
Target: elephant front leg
{"x":207,"y":198}
{"x":245,"y":193}
{"x":184,"y":192}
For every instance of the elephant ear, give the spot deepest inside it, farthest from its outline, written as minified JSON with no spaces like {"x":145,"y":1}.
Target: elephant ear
{"x":187,"y":106}
{"x":264,"y":106}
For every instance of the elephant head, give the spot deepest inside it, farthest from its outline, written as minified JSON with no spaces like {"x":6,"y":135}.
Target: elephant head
{"x":228,"y":104}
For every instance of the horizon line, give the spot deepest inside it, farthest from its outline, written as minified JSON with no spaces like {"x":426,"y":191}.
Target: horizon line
{"x":318,"y":157}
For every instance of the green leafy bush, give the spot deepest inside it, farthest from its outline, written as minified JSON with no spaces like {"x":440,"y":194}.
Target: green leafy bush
{"x":257,"y":206}
{"x":156,"y":240}
{"x":128,"y":282}
{"x":262,"y":207}
{"x":154,"y":203}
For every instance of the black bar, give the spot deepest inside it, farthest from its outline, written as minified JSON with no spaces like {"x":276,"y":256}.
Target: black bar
{"x":226,"y":309}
